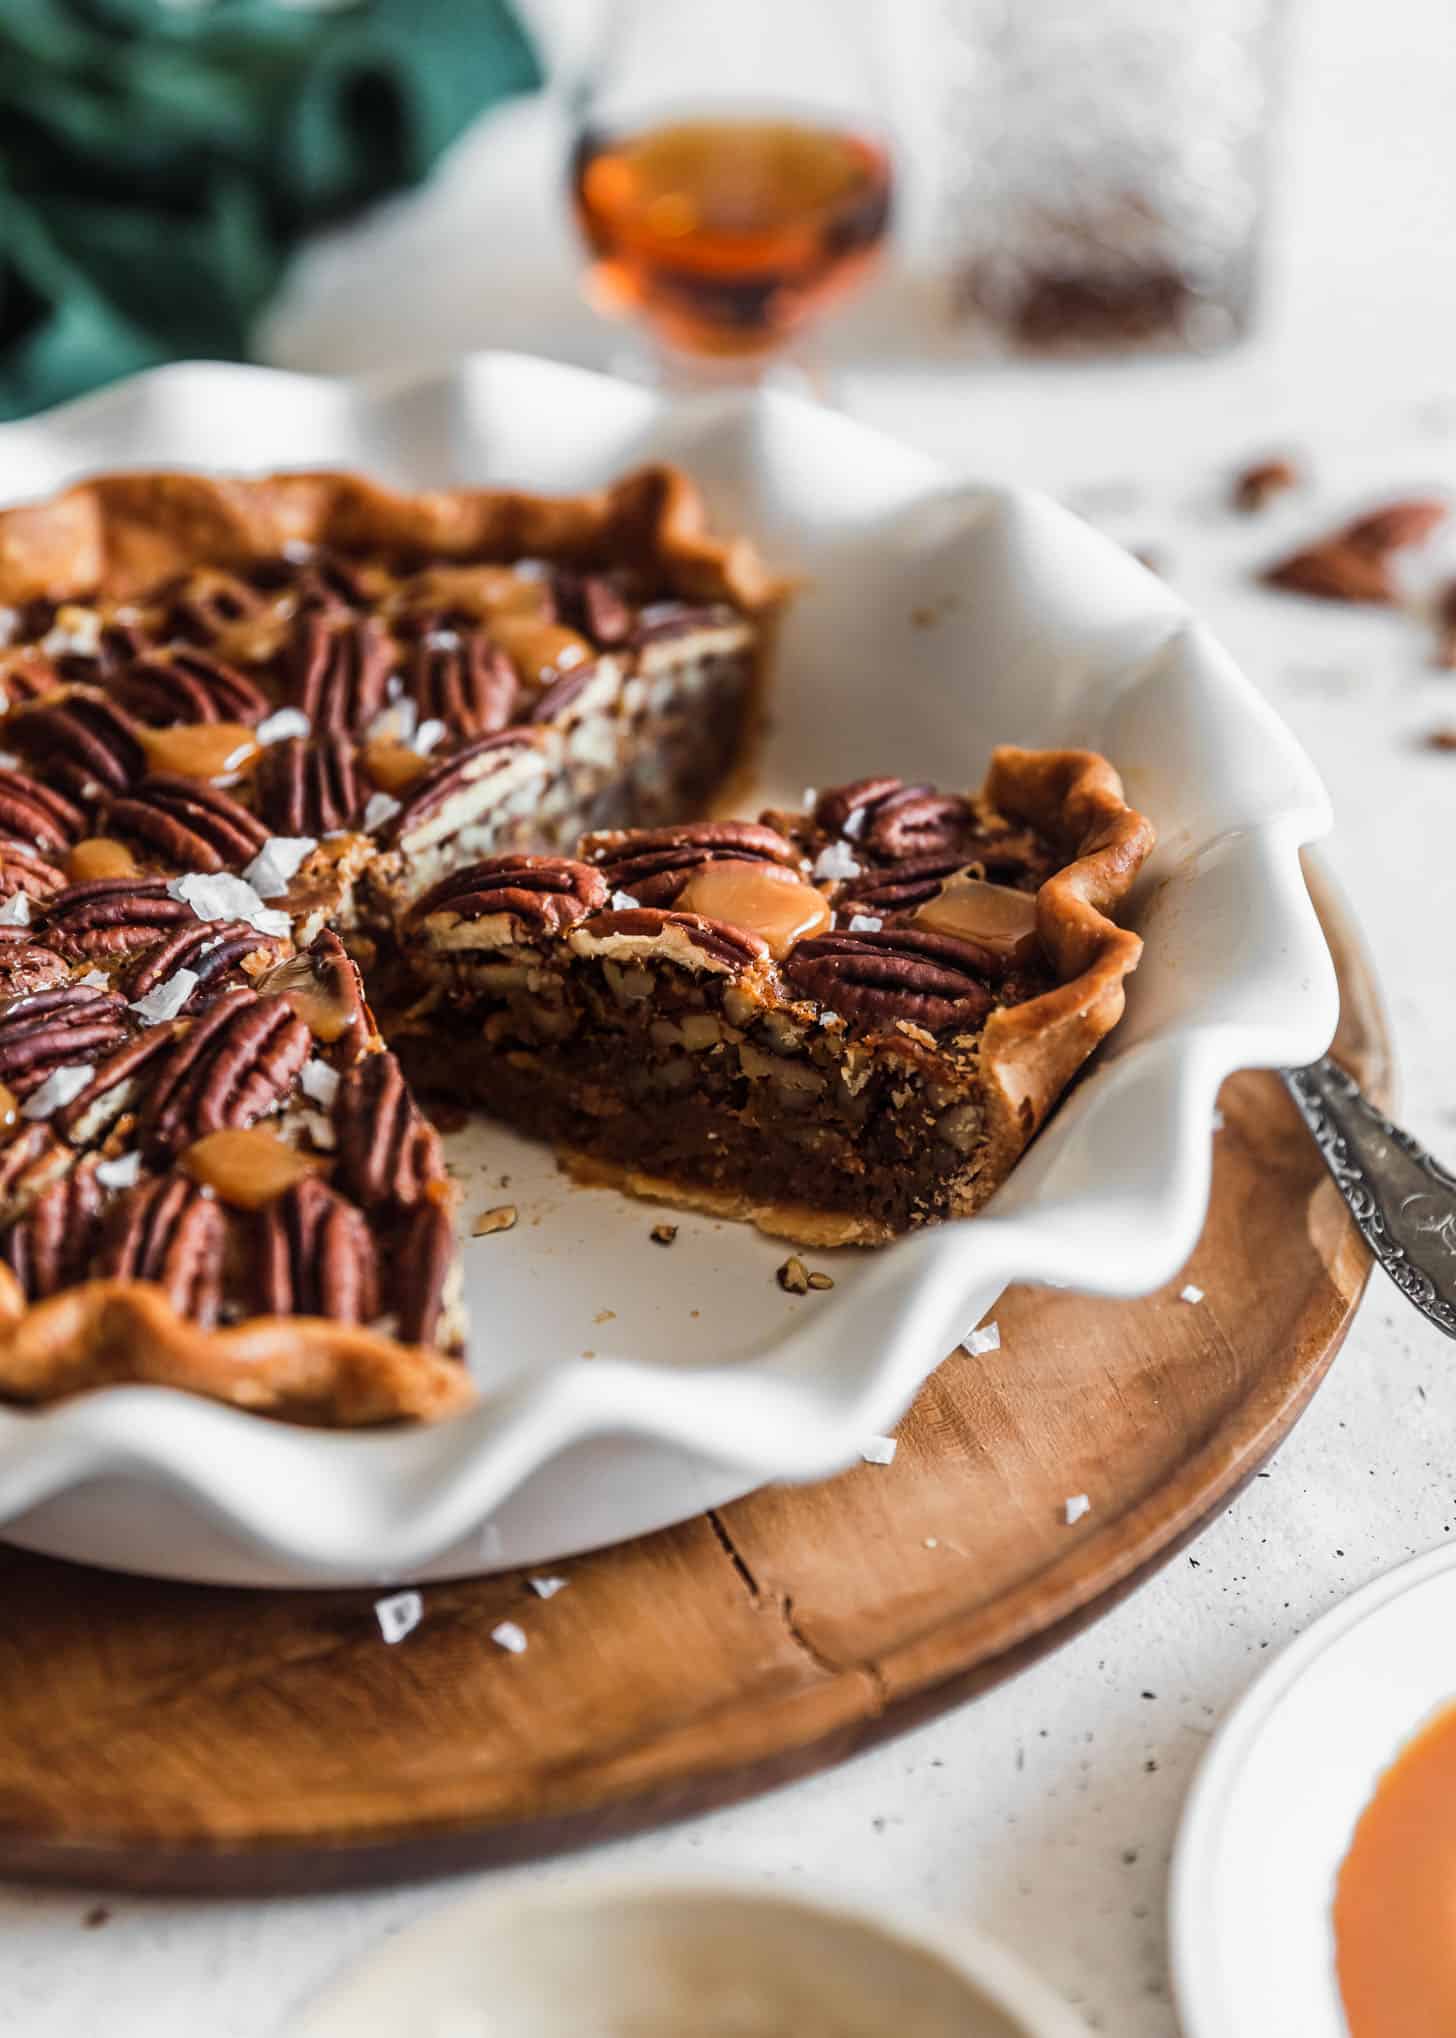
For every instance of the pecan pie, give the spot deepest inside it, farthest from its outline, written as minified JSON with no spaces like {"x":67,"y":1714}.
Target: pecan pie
{"x":244,"y":724}
{"x":838,"y":1023}
{"x":258,"y":735}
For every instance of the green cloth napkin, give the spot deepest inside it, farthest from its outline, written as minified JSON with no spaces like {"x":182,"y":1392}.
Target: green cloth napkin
{"x":158,"y":162}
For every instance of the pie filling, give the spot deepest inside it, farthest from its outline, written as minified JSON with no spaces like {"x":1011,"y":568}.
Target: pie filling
{"x":464,"y":773}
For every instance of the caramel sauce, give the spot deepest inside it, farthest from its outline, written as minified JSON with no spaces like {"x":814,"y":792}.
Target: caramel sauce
{"x":762,"y":898}
{"x":539,"y":651}
{"x":99,"y":856}
{"x":393,"y":766}
{"x":9,"y":1108}
{"x":248,"y":1168}
{"x":484,"y":591}
{"x":1395,"y":1900}
{"x":327,"y":1017}
{"x":997,"y":917}
{"x":200,"y":749}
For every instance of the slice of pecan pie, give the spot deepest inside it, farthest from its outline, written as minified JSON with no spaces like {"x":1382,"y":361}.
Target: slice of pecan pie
{"x":244,"y":722}
{"x":839,"y":1023}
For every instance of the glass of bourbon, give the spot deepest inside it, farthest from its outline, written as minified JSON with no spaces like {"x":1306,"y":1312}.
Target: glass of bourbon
{"x":730,"y":174}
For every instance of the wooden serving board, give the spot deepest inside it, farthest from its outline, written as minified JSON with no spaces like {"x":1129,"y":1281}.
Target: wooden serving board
{"x":189,"y":1738}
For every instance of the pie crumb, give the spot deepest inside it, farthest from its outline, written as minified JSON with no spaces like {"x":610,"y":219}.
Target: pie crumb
{"x":502,"y":1218}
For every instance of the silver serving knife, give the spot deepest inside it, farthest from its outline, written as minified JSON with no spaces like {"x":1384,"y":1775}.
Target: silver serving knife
{"x":1403,"y":1200}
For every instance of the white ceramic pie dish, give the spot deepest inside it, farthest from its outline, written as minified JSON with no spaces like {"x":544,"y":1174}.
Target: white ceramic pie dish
{"x":936,"y":618}
{"x":618,"y":1957}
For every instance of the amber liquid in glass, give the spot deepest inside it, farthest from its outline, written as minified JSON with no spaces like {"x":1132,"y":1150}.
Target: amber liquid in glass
{"x":726,"y":235}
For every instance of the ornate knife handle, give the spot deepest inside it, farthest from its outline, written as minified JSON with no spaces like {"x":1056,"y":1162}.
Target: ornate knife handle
{"x":1403,"y":1201}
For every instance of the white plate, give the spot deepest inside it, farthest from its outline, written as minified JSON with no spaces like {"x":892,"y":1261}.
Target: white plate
{"x":606,"y":1957}
{"x":936,"y":619}
{"x":1276,"y":1801}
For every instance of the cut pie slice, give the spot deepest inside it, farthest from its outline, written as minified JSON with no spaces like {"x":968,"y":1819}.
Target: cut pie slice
{"x":839,"y":1024}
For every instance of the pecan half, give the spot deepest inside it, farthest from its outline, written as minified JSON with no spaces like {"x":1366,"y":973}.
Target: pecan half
{"x":51,"y":1245}
{"x":211,"y":949}
{"x":1396,"y":526}
{"x":26,"y":967}
{"x":324,"y":581}
{"x":652,"y":865}
{"x":590,"y":603}
{"x":229,"y":1068}
{"x":85,"y":743}
{"x":929,"y":979}
{"x":1016,"y":858}
{"x":113,"y":1089}
{"x":730,"y":947}
{"x":309,"y":788}
{"x":422,"y":1271}
{"x":316,"y":1256}
{"x":336,"y":668}
{"x":111,"y":915}
{"x":324,"y":987}
{"x":545,"y":894}
{"x":387,"y":1152}
{"x":31,"y":1157}
{"x":171,"y":1232}
{"x":1334,"y":571}
{"x":888,"y":819}
{"x":460,"y":792}
{"x":208,"y":602}
{"x":188,"y":823}
{"x":181,"y":685}
{"x":553,"y":701}
{"x":35,"y":815}
{"x":22,"y":870}
{"x":49,"y":1029}
{"x":460,"y":678}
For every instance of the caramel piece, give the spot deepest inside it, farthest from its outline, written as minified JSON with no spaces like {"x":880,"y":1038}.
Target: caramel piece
{"x":393,"y":765}
{"x":999,"y":918}
{"x":9,"y":1108}
{"x":484,"y":591}
{"x":327,"y":1018}
{"x":99,"y":856}
{"x":539,"y":651}
{"x":761,"y":898}
{"x":247,"y":1168}
{"x":200,"y":749}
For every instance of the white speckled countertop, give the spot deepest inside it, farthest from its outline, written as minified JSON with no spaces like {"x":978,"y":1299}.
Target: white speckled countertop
{"x":1044,"y":1812}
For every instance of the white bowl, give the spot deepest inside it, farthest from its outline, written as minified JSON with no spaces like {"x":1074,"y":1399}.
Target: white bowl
{"x":936,"y":619}
{"x":611,"y":1958}
{"x":1276,"y":1800}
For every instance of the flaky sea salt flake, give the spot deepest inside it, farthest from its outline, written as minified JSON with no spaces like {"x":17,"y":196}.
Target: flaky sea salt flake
{"x":120,"y":1173}
{"x":95,"y":980}
{"x":864,"y":923}
{"x":381,"y":808}
{"x":16,"y":911}
{"x":835,"y":860}
{"x":879,"y":1451}
{"x":277,"y":863}
{"x":429,"y":736}
{"x":281,"y":724}
{"x":62,"y":1086}
{"x":510,"y":1637}
{"x":319,"y":1082}
{"x":1190,"y":1294}
{"x":1075,"y":1506}
{"x":623,"y":902}
{"x":399,"y":1615}
{"x":546,"y":1588}
{"x":167,"y":1000}
{"x":986,"y":1339}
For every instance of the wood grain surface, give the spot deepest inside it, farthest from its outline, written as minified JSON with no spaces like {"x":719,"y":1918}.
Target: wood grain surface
{"x":185,"y":1737}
